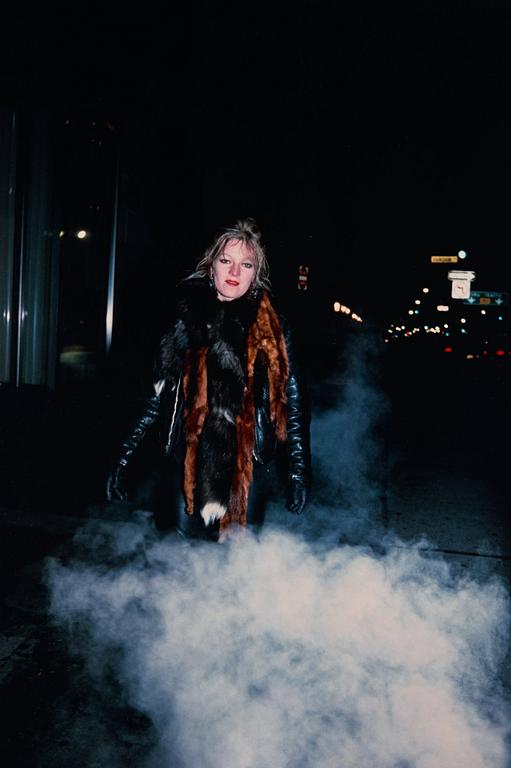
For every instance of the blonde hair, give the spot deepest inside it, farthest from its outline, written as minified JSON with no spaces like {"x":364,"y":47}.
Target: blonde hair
{"x":247,"y":232}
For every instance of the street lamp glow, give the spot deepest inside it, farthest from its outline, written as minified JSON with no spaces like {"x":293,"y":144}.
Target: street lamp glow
{"x":417,"y":301}
{"x":462,"y":320}
{"x":462,"y":254}
{"x":425,"y":290}
{"x":81,"y":234}
{"x":337,"y":306}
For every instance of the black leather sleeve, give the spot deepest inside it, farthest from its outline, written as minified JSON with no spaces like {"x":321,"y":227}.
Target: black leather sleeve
{"x":150,"y":412}
{"x":298,"y":422}
{"x":115,"y":485}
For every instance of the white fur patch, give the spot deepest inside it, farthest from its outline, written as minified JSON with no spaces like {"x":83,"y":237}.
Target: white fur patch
{"x":224,"y":414}
{"x":212,"y":511}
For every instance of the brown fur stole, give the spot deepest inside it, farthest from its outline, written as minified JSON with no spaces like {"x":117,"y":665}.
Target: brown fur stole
{"x":264,"y":334}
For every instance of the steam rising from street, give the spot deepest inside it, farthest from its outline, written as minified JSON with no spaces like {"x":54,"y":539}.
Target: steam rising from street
{"x":264,"y":652}
{"x":305,"y":646}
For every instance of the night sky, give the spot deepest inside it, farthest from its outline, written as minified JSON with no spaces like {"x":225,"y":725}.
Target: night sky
{"x":363,"y":139}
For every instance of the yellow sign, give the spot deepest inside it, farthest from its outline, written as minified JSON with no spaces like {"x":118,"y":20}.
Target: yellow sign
{"x":444,"y":259}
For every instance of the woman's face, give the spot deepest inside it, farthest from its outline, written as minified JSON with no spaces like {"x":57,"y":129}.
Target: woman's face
{"x":233,"y":271}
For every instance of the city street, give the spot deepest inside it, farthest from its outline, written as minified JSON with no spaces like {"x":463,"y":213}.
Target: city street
{"x":336,"y":186}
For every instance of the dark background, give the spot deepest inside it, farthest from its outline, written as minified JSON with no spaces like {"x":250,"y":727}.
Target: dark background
{"x":363,"y":138}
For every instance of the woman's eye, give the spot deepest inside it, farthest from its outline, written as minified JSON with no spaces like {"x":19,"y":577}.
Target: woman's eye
{"x":223,"y":261}
{"x":248,"y":265}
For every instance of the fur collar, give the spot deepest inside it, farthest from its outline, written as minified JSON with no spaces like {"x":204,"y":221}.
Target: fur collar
{"x":200,"y":320}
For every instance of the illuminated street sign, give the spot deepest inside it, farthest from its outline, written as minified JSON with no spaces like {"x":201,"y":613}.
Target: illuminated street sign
{"x":303,"y":276}
{"x":444,"y":259}
{"x":461,"y":279}
{"x":487,"y":298}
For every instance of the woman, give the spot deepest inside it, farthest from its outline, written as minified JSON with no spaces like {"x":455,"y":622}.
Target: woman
{"x":226,"y":394}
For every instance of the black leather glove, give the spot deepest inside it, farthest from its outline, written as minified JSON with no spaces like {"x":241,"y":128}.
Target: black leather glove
{"x":115,"y":488}
{"x":297,"y":495}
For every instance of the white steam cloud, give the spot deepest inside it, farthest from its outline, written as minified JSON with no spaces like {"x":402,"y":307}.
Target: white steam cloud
{"x":287,"y":650}
{"x":350,"y":460}
{"x":265,"y":652}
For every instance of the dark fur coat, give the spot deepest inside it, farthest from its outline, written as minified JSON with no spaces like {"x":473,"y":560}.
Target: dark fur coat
{"x":213,"y":345}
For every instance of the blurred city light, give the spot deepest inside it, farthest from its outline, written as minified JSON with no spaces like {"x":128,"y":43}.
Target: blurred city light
{"x":425,"y":290}
{"x":338,"y":307}
{"x":442,"y":308}
{"x":81,"y":234}
{"x":462,"y":254}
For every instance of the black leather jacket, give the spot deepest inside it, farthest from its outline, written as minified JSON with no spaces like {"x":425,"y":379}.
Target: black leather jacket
{"x":164,"y":410}
{"x":165,"y":407}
